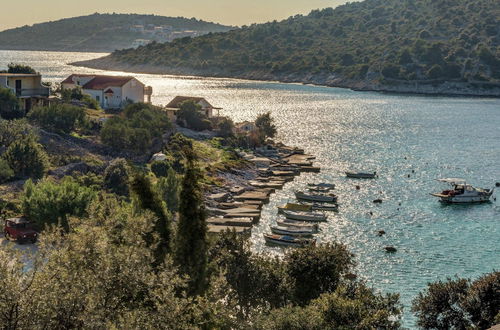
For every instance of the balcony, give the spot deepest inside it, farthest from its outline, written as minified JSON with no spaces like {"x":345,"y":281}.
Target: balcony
{"x":43,"y":92}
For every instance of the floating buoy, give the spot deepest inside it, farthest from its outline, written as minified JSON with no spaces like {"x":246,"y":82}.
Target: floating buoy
{"x":497,"y":184}
{"x":408,"y":175}
{"x":358,"y":187}
{"x":412,"y":171}
{"x":381,"y":232}
{"x":371,"y":213}
{"x":377,"y":201}
{"x":399,"y":204}
{"x":390,"y":249}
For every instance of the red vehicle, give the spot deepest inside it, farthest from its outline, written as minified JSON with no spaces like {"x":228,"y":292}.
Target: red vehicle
{"x":19,"y":229}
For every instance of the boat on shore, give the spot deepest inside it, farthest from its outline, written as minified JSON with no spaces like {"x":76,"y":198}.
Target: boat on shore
{"x":286,"y":240}
{"x":305,"y":216}
{"x":293,"y":231}
{"x":360,"y":175}
{"x":463,"y":193}
{"x":315,"y":197}
{"x":319,"y":189}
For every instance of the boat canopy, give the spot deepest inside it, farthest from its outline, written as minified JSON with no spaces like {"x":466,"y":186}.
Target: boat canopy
{"x":452,"y":180}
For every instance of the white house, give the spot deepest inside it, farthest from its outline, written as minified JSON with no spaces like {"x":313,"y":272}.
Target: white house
{"x":27,"y":87}
{"x":112,"y":92}
{"x":206,"y":107}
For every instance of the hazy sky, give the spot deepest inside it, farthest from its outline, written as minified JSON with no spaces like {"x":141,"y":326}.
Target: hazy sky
{"x":232,"y":12}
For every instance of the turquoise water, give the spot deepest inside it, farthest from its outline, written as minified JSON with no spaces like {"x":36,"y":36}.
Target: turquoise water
{"x":395,"y":135}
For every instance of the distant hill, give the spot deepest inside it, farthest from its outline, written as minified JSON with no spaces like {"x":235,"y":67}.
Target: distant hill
{"x":438,"y":46}
{"x":103,"y":32}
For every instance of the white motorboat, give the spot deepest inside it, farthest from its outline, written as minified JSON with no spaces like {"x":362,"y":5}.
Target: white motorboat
{"x":305,"y":216}
{"x":325,"y":198}
{"x":360,"y":175}
{"x":462,"y":193}
{"x":286,"y":240}
{"x":297,"y":224}
{"x":292,"y":231}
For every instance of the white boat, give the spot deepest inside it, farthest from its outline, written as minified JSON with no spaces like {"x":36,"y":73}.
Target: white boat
{"x":297,"y":224}
{"x":305,"y":216}
{"x":319,"y":189}
{"x":286,"y":240}
{"x":326,"y":198}
{"x":292,"y":231}
{"x":462,"y":193}
{"x":360,"y":175}
{"x":322,"y":185}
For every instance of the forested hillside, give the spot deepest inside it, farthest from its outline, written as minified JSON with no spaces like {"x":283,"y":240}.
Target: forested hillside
{"x":357,"y":44}
{"x":97,"y":32}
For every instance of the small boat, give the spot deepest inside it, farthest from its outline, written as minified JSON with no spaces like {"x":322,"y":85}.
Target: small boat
{"x":315,"y":197}
{"x":321,"y":185}
{"x":463,"y":193}
{"x":360,"y":175}
{"x":286,"y":240}
{"x":305,"y":216}
{"x":322,"y":206}
{"x":294,"y":207}
{"x":297,"y":224}
{"x":319,"y":189}
{"x":292,"y":231}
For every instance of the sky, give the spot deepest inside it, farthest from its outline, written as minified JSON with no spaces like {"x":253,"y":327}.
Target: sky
{"x":230,"y":12}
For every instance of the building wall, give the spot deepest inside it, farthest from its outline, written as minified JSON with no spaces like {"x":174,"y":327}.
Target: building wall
{"x":26,"y":82}
{"x":113,"y":101}
{"x":96,"y":95}
{"x":133,"y":90}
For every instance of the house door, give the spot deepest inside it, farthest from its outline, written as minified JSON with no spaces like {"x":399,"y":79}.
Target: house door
{"x":19,"y":87}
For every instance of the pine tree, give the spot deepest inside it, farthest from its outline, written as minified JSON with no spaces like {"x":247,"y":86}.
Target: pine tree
{"x":27,"y":158}
{"x":169,"y":187}
{"x":190,"y":250}
{"x":148,"y":199}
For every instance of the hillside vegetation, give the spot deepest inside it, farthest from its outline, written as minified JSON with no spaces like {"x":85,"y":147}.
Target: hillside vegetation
{"x":362,"y":44}
{"x":97,"y":32}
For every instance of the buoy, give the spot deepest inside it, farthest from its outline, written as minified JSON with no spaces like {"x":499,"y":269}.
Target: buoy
{"x":399,"y":204}
{"x":381,"y":232}
{"x":358,"y":187}
{"x":408,"y":175}
{"x":378,"y":201}
{"x":390,"y":249}
{"x":412,"y":171}
{"x":371,"y":213}
{"x":497,"y":184}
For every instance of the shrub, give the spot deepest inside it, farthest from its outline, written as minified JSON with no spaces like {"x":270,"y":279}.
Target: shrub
{"x":264,"y":124}
{"x":391,"y":71}
{"x":191,"y":116}
{"x":435,"y":72}
{"x":49,"y":202}
{"x":13,"y":130}
{"x":19,"y":68}
{"x":169,"y":189}
{"x":27,"y":158}
{"x":60,"y":118}
{"x":6,"y":173}
{"x":9,"y":105}
{"x":226,"y":127}
{"x":160,"y":168}
{"x":117,"y":177}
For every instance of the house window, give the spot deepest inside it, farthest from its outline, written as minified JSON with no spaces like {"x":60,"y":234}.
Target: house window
{"x":97,"y":98}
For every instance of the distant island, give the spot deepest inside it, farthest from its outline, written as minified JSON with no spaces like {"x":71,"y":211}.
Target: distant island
{"x":104,"y":32}
{"x":432,"y":47}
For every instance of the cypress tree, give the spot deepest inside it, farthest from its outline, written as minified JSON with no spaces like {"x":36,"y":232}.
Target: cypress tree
{"x":190,"y":249}
{"x":148,"y":199}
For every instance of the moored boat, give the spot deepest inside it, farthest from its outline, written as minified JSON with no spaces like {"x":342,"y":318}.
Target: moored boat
{"x":297,"y":224}
{"x":286,"y":240}
{"x":360,"y":175}
{"x":292,"y":231}
{"x":319,"y":189}
{"x":463,"y":193}
{"x":326,"y":198}
{"x":322,"y":185}
{"x":322,"y":206}
{"x":294,"y":207}
{"x":305,"y":216}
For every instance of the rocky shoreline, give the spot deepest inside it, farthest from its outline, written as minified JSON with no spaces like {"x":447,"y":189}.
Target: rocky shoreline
{"x":434,"y":88}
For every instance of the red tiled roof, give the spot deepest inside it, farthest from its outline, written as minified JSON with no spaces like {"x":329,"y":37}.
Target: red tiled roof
{"x":100,"y":82}
{"x":176,"y":102}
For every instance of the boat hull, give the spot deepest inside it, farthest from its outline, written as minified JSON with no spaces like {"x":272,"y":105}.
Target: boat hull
{"x":463,"y":199}
{"x":316,"y":198}
{"x":305,"y":217}
{"x":292,"y":232}
{"x":360,"y":175}
{"x":278,"y":240}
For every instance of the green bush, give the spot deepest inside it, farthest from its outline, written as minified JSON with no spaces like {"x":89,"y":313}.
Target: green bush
{"x":136,"y":128}
{"x":9,"y":105}
{"x":6,"y":173}
{"x":160,"y":168}
{"x":117,"y":177}
{"x":27,"y":158}
{"x":191,"y":116}
{"x":60,"y":118}
{"x":48,"y":202}
{"x":20,"y":68}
